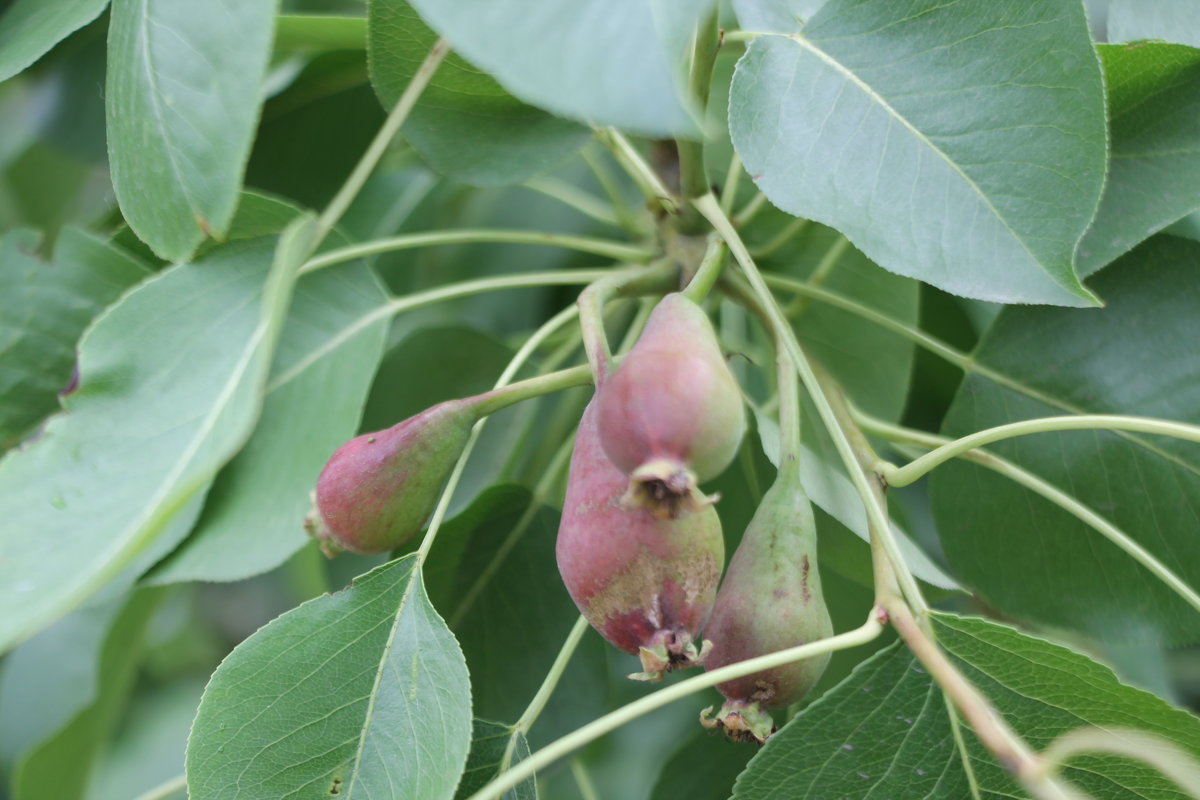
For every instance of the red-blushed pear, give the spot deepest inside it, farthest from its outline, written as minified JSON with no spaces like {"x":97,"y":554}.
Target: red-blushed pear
{"x":671,"y":415}
{"x":378,"y":489}
{"x":647,"y":584}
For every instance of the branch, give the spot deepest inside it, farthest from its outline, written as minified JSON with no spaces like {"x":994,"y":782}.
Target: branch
{"x":903,"y":476}
{"x":618,"y":251}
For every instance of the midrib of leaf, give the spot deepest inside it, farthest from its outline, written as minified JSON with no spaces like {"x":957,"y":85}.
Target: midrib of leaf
{"x":878,"y":99}
{"x":152,"y":81}
{"x":414,"y":575}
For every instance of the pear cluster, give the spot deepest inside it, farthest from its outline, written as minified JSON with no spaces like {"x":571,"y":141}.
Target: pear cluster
{"x":640,"y":547}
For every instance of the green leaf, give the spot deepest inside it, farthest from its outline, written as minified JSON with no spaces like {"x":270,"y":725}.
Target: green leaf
{"x":1171,"y":20}
{"x":326,"y":359}
{"x":360,"y":693}
{"x":34,"y":684}
{"x":44,"y":308}
{"x":775,"y":16}
{"x":1154,"y":105}
{"x":29,"y":28}
{"x":611,"y":62}
{"x":171,"y":382}
{"x":885,"y":730}
{"x":489,"y":742}
{"x":183,"y":92}
{"x":959,"y":143}
{"x":1026,"y":556}
{"x":498,"y":586}
{"x":465,"y":125}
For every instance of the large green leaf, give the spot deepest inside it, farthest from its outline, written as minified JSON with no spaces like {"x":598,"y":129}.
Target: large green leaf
{"x":183,"y":91}
{"x":959,"y":143}
{"x":31,"y":27}
{"x":44,"y":308}
{"x":360,"y":694}
{"x":171,"y":382}
{"x":1171,"y":20}
{"x":1154,"y":177}
{"x":253,"y":517}
{"x":885,"y":732}
{"x":1135,"y":356}
{"x":612,"y":62}
{"x":34,"y":684}
{"x":703,"y":767}
{"x":465,"y":125}
{"x":775,"y":16}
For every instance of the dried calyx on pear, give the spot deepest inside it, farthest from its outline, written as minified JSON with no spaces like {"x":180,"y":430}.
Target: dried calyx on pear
{"x":670,"y":416}
{"x":646,"y":584}
{"x":770,"y":600}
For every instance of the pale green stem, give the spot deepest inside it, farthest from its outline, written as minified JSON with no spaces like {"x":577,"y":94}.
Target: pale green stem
{"x":165,"y":789}
{"x":1041,"y":487}
{"x":518,"y":360}
{"x":669,"y":694}
{"x":903,"y":476}
{"x":571,"y":195}
{"x":789,"y":415}
{"x":708,"y":272}
{"x":960,"y":742}
{"x":742,"y":36}
{"x":534,"y":387}
{"x":587,"y":790}
{"x":750,"y":210}
{"x":733,"y":179}
{"x":618,"y":251}
{"x":447,"y":292}
{"x":379,"y":145}
{"x":913,"y":334}
{"x":780,"y":239}
{"x":693,"y":173}
{"x":1165,"y":756}
{"x":628,"y":219}
{"x":643,"y":175}
{"x":591,"y":323}
{"x":534,"y":710}
{"x":876,"y":514}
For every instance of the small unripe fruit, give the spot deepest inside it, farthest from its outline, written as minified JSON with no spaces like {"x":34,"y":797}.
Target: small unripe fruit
{"x":770,"y":600}
{"x":671,"y":414}
{"x":378,"y":489}
{"x":646,"y":584}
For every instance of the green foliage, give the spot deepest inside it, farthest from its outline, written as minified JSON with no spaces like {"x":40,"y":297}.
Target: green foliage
{"x":1130,"y":357}
{"x":935,"y":139}
{"x":886,"y":731}
{"x":179,"y":358}
{"x":396,"y":723}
